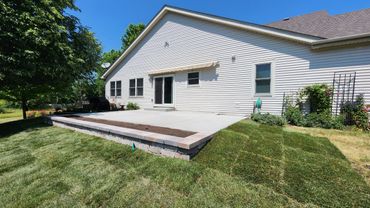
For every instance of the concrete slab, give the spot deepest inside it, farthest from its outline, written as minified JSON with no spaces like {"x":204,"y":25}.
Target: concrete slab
{"x":207,"y":123}
{"x":204,"y":124}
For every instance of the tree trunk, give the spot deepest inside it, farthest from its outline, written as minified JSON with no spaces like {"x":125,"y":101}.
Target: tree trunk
{"x":24,"y":108}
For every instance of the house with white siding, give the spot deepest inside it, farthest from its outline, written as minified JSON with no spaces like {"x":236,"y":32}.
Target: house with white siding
{"x":191,"y":61}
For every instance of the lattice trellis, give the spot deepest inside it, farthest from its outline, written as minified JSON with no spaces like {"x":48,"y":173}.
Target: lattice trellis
{"x":344,"y":84}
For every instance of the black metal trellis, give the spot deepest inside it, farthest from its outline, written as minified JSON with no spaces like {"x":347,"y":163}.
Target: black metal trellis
{"x":344,"y":84}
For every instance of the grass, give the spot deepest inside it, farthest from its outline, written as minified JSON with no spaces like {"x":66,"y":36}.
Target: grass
{"x":11,"y":114}
{"x":245,"y":165}
{"x":355,"y":145}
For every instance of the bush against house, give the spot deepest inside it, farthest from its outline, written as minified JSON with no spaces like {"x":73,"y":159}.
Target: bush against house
{"x":132,"y":106}
{"x":268,"y":119}
{"x":318,"y":97}
{"x":355,"y":113}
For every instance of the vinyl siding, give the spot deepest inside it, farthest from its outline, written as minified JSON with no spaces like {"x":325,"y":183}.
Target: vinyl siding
{"x":230,"y":87}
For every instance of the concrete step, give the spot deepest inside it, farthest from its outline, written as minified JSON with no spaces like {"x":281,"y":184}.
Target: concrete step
{"x":161,"y":109}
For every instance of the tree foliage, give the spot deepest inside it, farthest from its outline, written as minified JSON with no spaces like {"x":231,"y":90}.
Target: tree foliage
{"x":132,"y":32}
{"x":42,"y":48}
{"x":107,"y":57}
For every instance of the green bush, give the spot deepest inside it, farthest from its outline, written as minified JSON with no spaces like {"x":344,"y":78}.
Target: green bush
{"x":355,"y":113}
{"x":2,"y":110}
{"x":294,"y":116}
{"x":132,"y":106}
{"x":268,"y":119}
{"x":319,"y":97}
{"x":2,"y":103}
{"x":323,"y":120}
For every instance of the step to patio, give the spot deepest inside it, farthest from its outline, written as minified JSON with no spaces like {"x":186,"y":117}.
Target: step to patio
{"x":165,"y":109}
{"x":155,"y":143}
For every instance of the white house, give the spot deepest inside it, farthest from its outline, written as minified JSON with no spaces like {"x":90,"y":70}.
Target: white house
{"x":199,"y":62}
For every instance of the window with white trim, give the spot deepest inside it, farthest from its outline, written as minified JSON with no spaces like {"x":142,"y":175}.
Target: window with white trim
{"x":193,"y":78}
{"x":112,"y":89}
{"x":132,"y":87}
{"x":118,"y":88}
{"x":139,"y":87}
{"x":263,"y":78}
{"x":136,"y":87}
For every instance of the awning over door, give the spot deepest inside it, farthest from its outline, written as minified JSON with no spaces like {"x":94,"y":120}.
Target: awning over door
{"x":202,"y":66}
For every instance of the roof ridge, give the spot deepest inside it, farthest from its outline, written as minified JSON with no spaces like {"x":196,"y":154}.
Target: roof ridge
{"x":302,"y":15}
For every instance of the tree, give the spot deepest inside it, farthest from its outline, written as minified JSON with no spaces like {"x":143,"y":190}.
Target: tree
{"x":107,"y":57}
{"x":132,"y":32}
{"x":42,"y":49}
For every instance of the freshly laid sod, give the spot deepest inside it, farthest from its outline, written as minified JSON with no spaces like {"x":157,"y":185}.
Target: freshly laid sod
{"x":245,"y":165}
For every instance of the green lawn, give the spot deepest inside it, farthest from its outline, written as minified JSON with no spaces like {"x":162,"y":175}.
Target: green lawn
{"x":11,"y":114}
{"x":245,"y":165}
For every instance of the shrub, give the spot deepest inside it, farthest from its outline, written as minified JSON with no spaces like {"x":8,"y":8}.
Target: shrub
{"x":268,"y":119}
{"x":355,"y":113}
{"x":294,"y":116}
{"x":319,"y":97}
{"x":323,"y":120}
{"x":2,"y":103}
{"x":132,"y":106}
{"x":2,"y":110}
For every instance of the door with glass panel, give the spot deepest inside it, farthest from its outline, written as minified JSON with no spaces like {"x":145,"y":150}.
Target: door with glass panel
{"x":163,"y":90}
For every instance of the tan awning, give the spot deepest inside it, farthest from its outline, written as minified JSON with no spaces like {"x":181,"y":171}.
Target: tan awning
{"x":202,"y":66}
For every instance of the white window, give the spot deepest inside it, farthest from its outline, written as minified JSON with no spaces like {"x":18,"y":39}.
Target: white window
{"x":140,"y":87}
{"x":263,"y":78}
{"x":136,"y":87}
{"x":112,"y":89}
{"x":193,"y":78}
{"x":118,"y":88}
{"x":132,"y":87}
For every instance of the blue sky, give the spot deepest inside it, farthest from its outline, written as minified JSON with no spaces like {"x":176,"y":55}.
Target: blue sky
{"x":108,"y":19}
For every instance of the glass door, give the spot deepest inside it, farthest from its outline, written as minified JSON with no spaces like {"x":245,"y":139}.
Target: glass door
{"x":167,"y":98}
{"x":163,"y":90}
{"x":158,"y":90}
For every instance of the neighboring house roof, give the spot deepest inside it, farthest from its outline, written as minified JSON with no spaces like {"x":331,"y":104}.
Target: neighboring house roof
{"x":322,"y":24}
{"x":315,"y":42}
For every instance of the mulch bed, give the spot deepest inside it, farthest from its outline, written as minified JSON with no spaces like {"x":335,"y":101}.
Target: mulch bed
{"x":142,"y":127}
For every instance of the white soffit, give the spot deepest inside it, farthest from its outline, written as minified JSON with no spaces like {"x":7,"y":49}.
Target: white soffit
{"x":202,"y":66}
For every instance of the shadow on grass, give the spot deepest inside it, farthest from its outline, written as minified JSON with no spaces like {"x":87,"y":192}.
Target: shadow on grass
{"x":13,"y":127}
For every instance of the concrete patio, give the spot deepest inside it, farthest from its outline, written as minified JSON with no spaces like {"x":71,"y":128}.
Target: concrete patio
{"x":202,"y":125}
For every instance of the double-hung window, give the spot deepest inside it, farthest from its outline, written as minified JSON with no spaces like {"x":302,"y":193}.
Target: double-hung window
{"x":140,"y":87}
{"x":118,"y":88}
{"x":115,"y":88}
{"x":136,"y":87}
{"x":132,"y":87}
{"x":263,"y":78}
{"x":193,"y":78}
{"x":112,"y":89}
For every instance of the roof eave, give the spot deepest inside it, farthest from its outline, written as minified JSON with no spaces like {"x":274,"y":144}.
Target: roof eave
{"x":301,"y":38}
{"x":341,"y":41}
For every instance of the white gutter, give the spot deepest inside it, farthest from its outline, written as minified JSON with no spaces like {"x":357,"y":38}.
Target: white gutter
{"x":347,"y":40}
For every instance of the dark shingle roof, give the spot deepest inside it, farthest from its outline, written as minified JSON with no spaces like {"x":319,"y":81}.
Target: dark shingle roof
{"x":321,"y":24}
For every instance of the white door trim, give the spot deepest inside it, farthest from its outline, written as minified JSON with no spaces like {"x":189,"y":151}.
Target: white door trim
{"x":173,"y":91}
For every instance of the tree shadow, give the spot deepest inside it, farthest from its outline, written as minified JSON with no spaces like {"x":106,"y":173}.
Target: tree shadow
{"x":13,"y":127}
